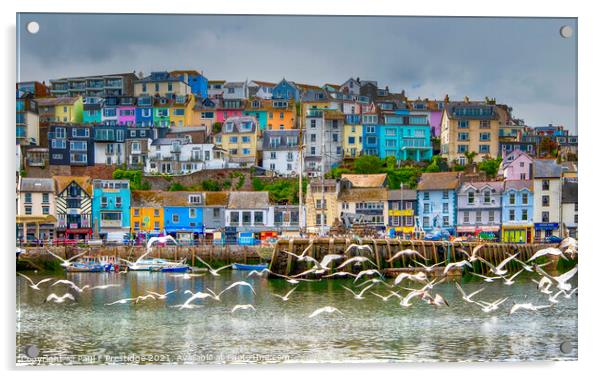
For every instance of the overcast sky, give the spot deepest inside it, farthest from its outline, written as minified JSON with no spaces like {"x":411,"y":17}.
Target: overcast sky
{"x":519,"y":61}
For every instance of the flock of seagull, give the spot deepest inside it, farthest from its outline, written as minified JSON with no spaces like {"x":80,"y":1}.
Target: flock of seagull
{"x":367,"y":280}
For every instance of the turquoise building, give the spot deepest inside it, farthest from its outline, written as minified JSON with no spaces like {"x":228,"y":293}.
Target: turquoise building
{"x":405,"y":135}
{"x":92,"y":113}
{"x":111,"y":208}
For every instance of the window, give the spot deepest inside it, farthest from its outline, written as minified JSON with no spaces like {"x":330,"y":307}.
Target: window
{"x":491,"y":216}
{"x":445,"y":195}
{"x":234,"y":217}
{"x":216,"y":212}
{"x":175,"y":218}
{"x":192,"y":213}
{"x":479,"y":217}
{"x":545,"y":216}
{"x":319,"y":204}
{"x":463,"y":137}
{"x":45,"y":210}
{"x":545,"y":201}
{"x":194,"y":199}
{"x":484,"y":149}
{"x":258,"y":218}
{"x":462,"y":149}
{"x":104,"y":202}
{"x":156,"y":212}
{"x":118,"y":201}
{"x":525,"y":215}
{"x":525,"y":198}
{"x":487,"y":197}
{"x":511,"y":215}
{"x":485,"y":136}
{"x":445,"y":207}
{"x":576,"y":219}
{"x":471,"y":197}
{"x":545,"y":185}
{"x":485,"y":124}
{"x":28,"y":210}
{"x":28,"y":197}
{"x":427,"y":207}
{"x":157,"y":225}
{"x":136,"y":212}
{"x":466,"y":219}
{"x":426,"y":222}
{"x":512,"y":199}
{"x":463,"y":124}
{"x":136,"y":225}
{"x":426,"y":196}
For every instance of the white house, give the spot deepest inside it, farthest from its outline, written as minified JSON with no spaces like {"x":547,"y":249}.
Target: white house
{"x":260,"y":89}
{"x":547,"y":191}
{"x":236,"y":90}
{"x":281,"y":152}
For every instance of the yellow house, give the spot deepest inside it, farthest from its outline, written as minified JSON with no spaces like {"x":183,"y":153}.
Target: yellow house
{"x":469,"y":127}
{"x":352,"y":140}
{"x":69,"y":109}
{"x":239,"y":137}
{"x":162,"y":84}
{"x":204,"y":113}
{"x":146,"y":212}
{"x":321,"y":206}
{"x":181,"y":112}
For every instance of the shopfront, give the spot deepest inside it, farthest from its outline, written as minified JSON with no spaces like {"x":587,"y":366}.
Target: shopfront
{"x":517,"y":233}
{"x":546,"y":229}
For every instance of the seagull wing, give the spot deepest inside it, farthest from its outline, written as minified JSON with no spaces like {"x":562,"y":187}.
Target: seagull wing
{"x":350,"y":290}
{"x":76,"y":256}
{"x":203,"y":262}
{"x":486,"y":263}
{"x":567,"y":275}
{"x":460,"y":289}
{"x":223,"y":267}
{"x":329,"y":258}
{"x":366,"y":289}
{"x":29,"y":280}
{"x":505,"y":261}
{"x":54,"y":255}
{"x":291,"y":291}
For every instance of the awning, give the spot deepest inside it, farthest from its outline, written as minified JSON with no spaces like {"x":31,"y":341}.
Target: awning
{"x":466,"y":229}
{"x":35,"y":219}
{"x":490,"y":228}
{"x":185,"y":229}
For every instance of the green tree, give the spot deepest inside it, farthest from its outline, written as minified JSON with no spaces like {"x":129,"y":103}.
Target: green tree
{"x":490,"y":166}
{"x":176,"y":187}
{"x":470,"y":156}
{"x":211,"y":185}
{"x":368,"y":164}
{"x":217,"y":127}
{"x":134,"y":176}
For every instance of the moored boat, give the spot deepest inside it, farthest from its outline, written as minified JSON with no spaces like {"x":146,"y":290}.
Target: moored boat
{"x":245,"y":267}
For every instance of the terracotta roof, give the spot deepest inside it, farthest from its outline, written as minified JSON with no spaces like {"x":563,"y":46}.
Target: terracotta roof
{"x":249,"y":200}
{"x":518,"y":185}
{"x":147,"y":199}
{"x":365,"y":181}
{"x":85,"y":182}
{"x":216,"y":198}
{"x":363,"y":194}
{"x":438,"y":181}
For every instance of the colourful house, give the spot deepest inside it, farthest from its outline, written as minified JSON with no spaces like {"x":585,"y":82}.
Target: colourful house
{"x":161,"y":84}
{"x":147,"y":212}
{"x":352,"y":136}
{"x":144,"y":111}
{"x":239,"y":137}
{"x":517,"y":165}
{"x":73,"y":207}
{"x":180,"y":113}
{"x":272,"y":114}
{"x":255,"y":107}
{"x":109,"y":110}
{"x":197,"y":82}
{"x":286,"y":90}
{"x":161,"y":112}
{"x":69,"y":109}
{"x":437,"y":203}
{"x":204,"y":113}
{"x":126,"y":111}
{"x":111,"y":207}
{"x":183,"y":215}
{"x":229,"y":108}
{"x":404,"y":135}
{"x":517,"y":211}
{"x":92,"y":110}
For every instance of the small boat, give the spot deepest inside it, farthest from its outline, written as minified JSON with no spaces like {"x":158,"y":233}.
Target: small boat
{"x":85,"y":267}
{"x":179,"y":268}
{"x":158,"y":265}
{"x":244,"y":267}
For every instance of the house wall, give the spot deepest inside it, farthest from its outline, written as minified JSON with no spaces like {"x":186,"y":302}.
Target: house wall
{"x":436,"y":209}
{"x":281,"y":162}
{"x":161,"y":88}
{"x":450,"y":140}
{"x":555,"y":194}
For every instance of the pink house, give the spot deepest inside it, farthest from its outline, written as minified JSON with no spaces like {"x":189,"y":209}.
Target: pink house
{"x":517,"y":165}
{"x":229,"y":108}
{"x":126,"y":111}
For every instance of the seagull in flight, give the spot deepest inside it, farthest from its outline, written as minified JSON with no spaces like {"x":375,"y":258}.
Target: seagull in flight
{"x":288,"y":294}
{"x":510,"y":281}
{"x":123,"y":301}
{"x":386,"y":298}
{"x":145,"y":297}
{"x":374,"y":281}
{"x":405,"y":301}
{"x":468,"y":298}
{"x":547,"y":251}
{"x":360,"y":295}
{"x":499,"y":269}
{"x":104,"y":287}
{"x":437,"y":301}
{"x":160,"y":296}
{"x":242,"y":307}
{"x":161,"y":239}
{"x":405,"y":252}
{"x":543,"y":285}
{"x":59,"y":299}
{"x":567,"y":295}
{"x":212,"y":271}
{"x":419,"y":277}
{"x":456,"y":264}
{"x":301,"y":256}
{"x":429,"y":268}
{"x":367,"y":273}
{"x":193,"y":296}
{"x":186,"y":276}
{"x":65,"y":262}
{"x":34,"y":285}
{"x":358,"y":248}
{"x":490,"y":307}
{"x":488,"y":279}
{"x":473,"y":257}
{"x":233,"y":285}
{"x":561,"y":281}
{"x":554,"y":298}
{"x":327,"y":309}
{"x":528,"y":307}
{"x":356,"y":261}
{"x":259,"y":273}
{"x":340,"y":274}
{"x":70,"y":284}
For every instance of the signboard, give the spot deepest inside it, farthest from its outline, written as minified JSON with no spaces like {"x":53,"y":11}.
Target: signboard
{"x":546,"y":225}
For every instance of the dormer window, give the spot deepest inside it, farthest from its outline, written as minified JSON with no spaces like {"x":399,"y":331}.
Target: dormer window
{"x":195,"y":199}
{"x":256,"y":104}
{"x":229,"y":127}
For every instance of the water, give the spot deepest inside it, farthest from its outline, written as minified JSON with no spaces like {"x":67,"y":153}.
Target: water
{"x":90,"y":332}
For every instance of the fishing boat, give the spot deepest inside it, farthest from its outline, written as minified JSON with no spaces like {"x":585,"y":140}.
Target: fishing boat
{"x":245,"y":267}
{"x":85,"y":267}
{"x":158,"y":265}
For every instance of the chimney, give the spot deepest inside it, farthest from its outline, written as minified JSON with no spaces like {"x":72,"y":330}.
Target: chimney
{"x":466,"y":99}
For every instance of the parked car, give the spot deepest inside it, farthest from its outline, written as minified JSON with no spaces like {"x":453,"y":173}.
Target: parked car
{"x":553,"y":239}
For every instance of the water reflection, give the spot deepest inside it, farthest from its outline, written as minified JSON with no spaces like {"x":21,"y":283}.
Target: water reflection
{"x":370,"y":330}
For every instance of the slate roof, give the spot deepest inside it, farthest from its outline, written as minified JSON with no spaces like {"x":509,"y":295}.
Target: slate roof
{"x":63,"y":100}
{"x":408,"y":194}
{"x":180,"y":198}
{"x":249,"y":200}
{"x":570,"y":192}
{"x":237,"y":121}
{"x":147,"y":199}
{"x":37,"y":185}
{"x":216,"y":199}
{"x":281,"y":136}
{"x":365,"y":181}
{"x":481,"y":111}
{"x":497,"y":186}
{"x":438,"y":181}
{"x":546,"y":168}
{"x":518,"y":185}
{"x":363,"y":194}
{"x":85,"y":182}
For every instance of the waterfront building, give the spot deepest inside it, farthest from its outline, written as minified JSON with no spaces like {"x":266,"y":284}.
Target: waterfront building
{"x":479,"y":209}
{"x":401,"y":211}
{"x":262,"y":90}
{"x":111,"y":207}
{"x":61,"y":109}
{"x":517,"y":165}
{"x":215,"y":88}
{"x":92,"y":110}
{"x":144,"y":111}
{"x":137,"y":142}
{"x":281,"y":152}
{"x":238,"y":138}
{"x":286,"y":219}
{"x":570,"y":217}
{"x":162,"y":84}
{"x":236,"y":91}
{"x":364,"y":197}
{"x":35,"y":209}
{"x":181,"y":113}
{"x":404,"y":135}
{"x":28,"y":121}
{"x":73,"y":207}
{"x":437,"y":203}
{"x":109,"y":144}
{"x":184,"y":214}
{"x":321,"y":205}
{"x":71,"y":145}
{"x":469,"y":127}
{"x":198,"y":83}
{"x":323,"y":140}
{"x":285,"y":90}
{"x":547,"y":191}
{"x":147,"y":213}
{"x":96,"y":85}
{"x":517,"y":211}
{"x":249,"y":211}
{"x":214,"y":211}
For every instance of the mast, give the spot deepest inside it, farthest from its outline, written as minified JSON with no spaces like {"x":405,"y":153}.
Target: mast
{"x":323,"y":159}
{"x":300,"y":124}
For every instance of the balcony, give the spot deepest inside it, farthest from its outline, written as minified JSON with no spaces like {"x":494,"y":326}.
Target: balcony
{"x":314,"y":113}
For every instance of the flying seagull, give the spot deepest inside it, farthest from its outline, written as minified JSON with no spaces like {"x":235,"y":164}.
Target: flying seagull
{"x":71,"y":284}
{"x":59,"y":299}
{"x":358,"y":247}
{"x":34,"y":285}
{"x":468,"y":298}
{"x":405,"y":252}
{"x":429,"y":268}
{"x":386,"y":298}
{"x":65,"y":262}
{"x":418,"y":277}
{"x":285,"y":297}
{"x":510,"y":281}
{"x":327,"y":309}
{"x":357,"y":261}
{"x":488,"y":279}
{"x":490,"y":307}
{"x":456,"y":264}
{"x":212,"y":271}
{"x":561,"y":281}
{"x":367,"y":273}
{"x":242,"y":307}
{"x":499,"y":269}
{"x":360,"y":295}
{"x":160,"y":296}
{"x":547,"y":251}
{"x":528,"y":307}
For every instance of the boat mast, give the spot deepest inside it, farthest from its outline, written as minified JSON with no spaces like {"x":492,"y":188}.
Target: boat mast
{"x":300,"y":124}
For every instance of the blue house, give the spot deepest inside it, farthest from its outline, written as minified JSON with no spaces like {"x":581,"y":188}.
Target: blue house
{"x":183,"y":215}
{"x":437,"y":202}
{"x":370,"y":145}
{"x":404,"y":135}
{"x":111,"y":208}
{"x":285,"y":90}
{"x":198,"y":82}
{"x":71,"y":145}
{"x":144,"y":111}
{"x":517,"y":211}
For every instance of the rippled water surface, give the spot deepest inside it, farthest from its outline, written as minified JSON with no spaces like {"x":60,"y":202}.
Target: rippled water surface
{"x":90,"y":332}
